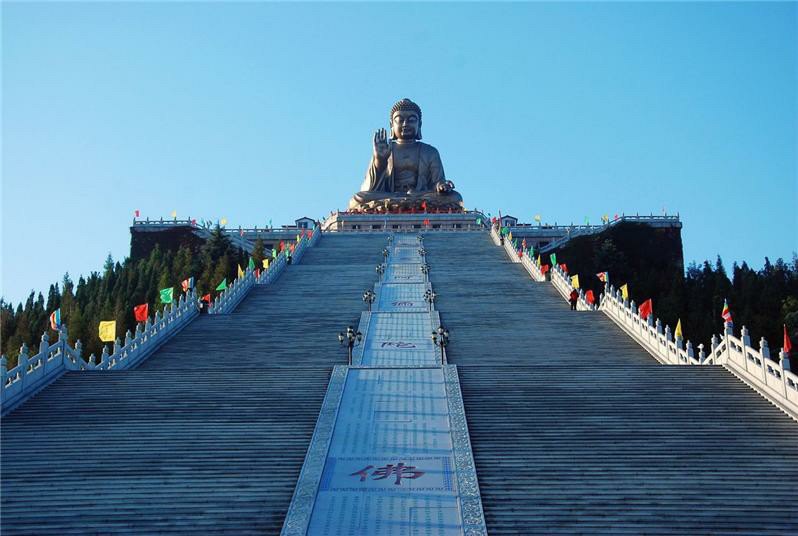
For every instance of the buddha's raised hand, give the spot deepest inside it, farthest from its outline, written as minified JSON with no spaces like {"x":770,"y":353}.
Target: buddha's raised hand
{"x":382,"y":147}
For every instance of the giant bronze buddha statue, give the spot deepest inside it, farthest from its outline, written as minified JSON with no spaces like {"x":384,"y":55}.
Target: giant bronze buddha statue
{"x":405,"y":173}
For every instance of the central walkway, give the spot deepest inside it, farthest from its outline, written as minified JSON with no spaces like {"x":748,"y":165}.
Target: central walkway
{"x":391,"y":453}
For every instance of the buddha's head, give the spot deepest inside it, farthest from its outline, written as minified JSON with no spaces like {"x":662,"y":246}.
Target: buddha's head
{"x":405,"y":121}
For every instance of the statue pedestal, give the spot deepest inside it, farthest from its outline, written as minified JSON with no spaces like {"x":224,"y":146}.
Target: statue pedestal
{"x":409,"y":203}
{"x":351,"y":221}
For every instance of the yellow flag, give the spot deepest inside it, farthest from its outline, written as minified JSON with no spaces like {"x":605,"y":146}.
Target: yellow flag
{"x":223,"y":221}
{"x":538,"y":260}
{"x":174,"y":214}
{"x":510,"y":236}
{"x":298,"y":238}
{"x":575,"y":281}
{"x":240,"y":271}
{"x":678,"y":332}
{"x":108,"y":330}
{"x":265,"y":263}
{"x":625,"y":292}
{"x":537,"y":218}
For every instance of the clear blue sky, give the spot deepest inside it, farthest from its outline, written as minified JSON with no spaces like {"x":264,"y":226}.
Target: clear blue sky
{"x":258,"y":111}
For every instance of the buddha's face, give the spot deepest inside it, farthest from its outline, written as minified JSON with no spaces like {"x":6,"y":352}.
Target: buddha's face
{"x":404,"y":125}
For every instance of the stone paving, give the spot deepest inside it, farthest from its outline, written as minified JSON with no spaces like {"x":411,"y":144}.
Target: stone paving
{"x":391,"y":453}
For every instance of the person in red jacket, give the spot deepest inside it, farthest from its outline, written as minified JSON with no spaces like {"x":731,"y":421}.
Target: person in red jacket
{"x":573,"y":298}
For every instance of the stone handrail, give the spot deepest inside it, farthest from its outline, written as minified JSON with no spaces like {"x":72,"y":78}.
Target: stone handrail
{"x":34,"y":373}
{"x":649,"y":334}
{"x":229,"y":299}
{"x":773,"y":380}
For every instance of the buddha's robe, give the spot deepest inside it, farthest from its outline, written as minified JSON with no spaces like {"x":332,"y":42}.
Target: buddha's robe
{"x":411,"y":169}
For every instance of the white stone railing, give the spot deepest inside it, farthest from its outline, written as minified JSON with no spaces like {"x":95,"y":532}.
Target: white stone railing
{"x":229,"y":299}
{"x":773,"y":380}
{"x":661,"y":344}
{"x":34,"y":373}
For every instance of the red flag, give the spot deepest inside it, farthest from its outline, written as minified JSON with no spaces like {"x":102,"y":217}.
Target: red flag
{"x":544,"y":268}
{"x":424,"y":205}
{"x":520,"y":254}
{"x":141,"y":312}
{"x":292,"y":248}
{"x":426,"y":221}
{"x":645,"y":309}
{"x":137,"y":213}
{"x":206,"y":298}
{"x":310,"y":235}
{"x":193,"y":221}
{"x":257,"y":273}
{"x":787,"y":343}
{"x":564,"y":267}
{"x":589,"y":297}
{"x":282,"y":245}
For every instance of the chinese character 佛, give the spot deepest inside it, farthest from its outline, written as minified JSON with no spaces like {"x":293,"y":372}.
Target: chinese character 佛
{"x":400,"y":470}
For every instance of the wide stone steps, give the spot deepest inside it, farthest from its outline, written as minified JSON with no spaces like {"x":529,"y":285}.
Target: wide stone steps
{"x":206,"y":436}
{"x":576,"y":429}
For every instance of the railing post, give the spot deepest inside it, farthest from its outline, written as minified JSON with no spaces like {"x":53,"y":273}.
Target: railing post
{"x":764,"y":351}
{"x":745,"y":339}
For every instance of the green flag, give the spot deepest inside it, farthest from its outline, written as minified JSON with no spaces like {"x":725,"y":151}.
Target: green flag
{"x":274,"y":253}
{"x":479,"y":221}
{"x":222,"y":285}
{"x":553,"y":258}
{"x":167,"y":294}
{"x":251,"y":265}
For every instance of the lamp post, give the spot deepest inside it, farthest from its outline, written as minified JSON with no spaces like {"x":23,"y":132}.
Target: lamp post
{"x":422,"y":252}
{"x":385,"y":254}
{"x":425,"y":271}
{"x":429,"y":297}
{"x":350,"y":339}
{"x":380,"y":271}
{"x":368,"y":297}
{"x":441,"y":338}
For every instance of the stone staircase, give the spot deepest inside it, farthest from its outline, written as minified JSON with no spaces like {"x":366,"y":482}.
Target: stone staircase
{"x":206,"y":436}
{"x":576,"y":429}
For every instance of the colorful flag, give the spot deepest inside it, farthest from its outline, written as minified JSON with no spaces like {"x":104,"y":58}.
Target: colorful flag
{"x":553,"y":258}
{"x":174,"y":214}
{"x":510,"y":236}
{"x":589,"y":297}
{"x":625,"y":291}
{"x":240,"y":271}
{"x":426,"y":222}
{"x":257,"y":273}
{"x":108,"y":330}
{"x":575,"y":281}
{"x":167,"y":295}
{"x":206,"y":298}
{"x":544,"y":268}
{"x":479,"y":221}
{"x":251,"y":264}
{"x":265,"y":263}
{"x":141,"y":312}
{"x":222,"y":285}
{"x":523,"y":243}
{"x":537,"y":218}
{"x":604,"y":277}
{"x":787,"y":347}
{"x":223,"y":221}
{"x":274,"y":255}
{"x":423,"y":205}
{"x":193,"y":221}
{"x":187,"y":284}
{"x":240,"y":231}
{"x":645,"y":309}
{"x":136,"y":213}
{"x":564,"y":267}
{"x":678,"y":332}
{"x":726,"y":314}
{"x":55,"y":319}
{"x":538,"y":260}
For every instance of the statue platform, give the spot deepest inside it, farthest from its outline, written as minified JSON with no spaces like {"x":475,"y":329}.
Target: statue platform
{"x":472,"y":220}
